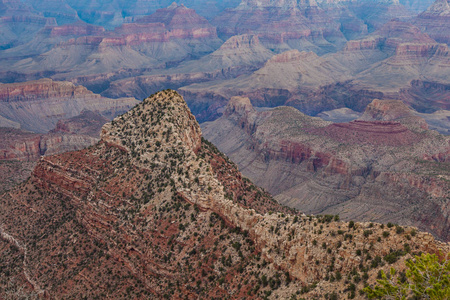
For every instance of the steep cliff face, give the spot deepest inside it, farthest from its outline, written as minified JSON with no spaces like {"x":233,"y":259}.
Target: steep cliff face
{"x":342,"y":168}
{"x":154,"y":210}
{"x":38,"y":105}
{"x":319,"y":26}
{"x":174,"y":22}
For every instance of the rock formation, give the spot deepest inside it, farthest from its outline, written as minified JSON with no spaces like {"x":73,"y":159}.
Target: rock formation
{"x":38,"y":105}
{"x":86,"y":123}
{"x":237,"y":56}
{"x":436,"y":21}
{"x":154,"y":210}
{"x":382,"y":167}
{"x":283,"y":25}
{"x":28,"y":146}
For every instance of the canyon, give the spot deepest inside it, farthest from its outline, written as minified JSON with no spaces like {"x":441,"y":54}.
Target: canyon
{"x":340,"y":109}
{"x":155,"y":210}
{"x":387,"y":166}
{"x":345,"y":56}
{"x":390,"y":63}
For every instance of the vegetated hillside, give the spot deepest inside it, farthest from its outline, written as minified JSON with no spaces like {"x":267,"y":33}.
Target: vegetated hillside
{"x":385,"y":167}
{"x":155,"y":211}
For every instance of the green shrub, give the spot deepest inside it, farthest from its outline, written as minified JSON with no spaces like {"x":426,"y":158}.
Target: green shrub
{"x":426,"y":277}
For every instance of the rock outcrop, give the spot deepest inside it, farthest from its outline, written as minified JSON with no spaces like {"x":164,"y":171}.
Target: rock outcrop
{"x":38,"y":105}
{"x":320,"y":167}
{"x":154,"y":210}
{"x":86,"y":123}
{"x":389,"y":110}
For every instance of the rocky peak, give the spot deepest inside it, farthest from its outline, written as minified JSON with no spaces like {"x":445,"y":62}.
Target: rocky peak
{"x":176,"y":17}
{"x":241,"y":50}
{"x":438,"y":8}
{"x":241,"y":42}
{"x":239,"y":105}
{"x":392,"y":110}
{"x":164,"y":117}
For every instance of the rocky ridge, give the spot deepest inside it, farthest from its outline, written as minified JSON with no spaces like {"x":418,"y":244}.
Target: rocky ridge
{"x":155,"y":210}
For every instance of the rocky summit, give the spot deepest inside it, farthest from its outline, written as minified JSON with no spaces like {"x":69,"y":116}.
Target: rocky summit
{"x":156,"y":211}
